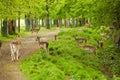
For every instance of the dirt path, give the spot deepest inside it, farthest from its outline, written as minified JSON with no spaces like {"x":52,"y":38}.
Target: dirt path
{"x":8,"y":69}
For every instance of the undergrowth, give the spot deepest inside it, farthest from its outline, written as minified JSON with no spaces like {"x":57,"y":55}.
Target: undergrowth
{"x":66,"y":61}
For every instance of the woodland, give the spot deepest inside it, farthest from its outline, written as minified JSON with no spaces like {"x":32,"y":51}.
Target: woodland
{"x":87,"y":45}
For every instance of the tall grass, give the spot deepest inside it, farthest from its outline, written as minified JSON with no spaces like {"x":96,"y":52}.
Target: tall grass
{"x":66,"y":61}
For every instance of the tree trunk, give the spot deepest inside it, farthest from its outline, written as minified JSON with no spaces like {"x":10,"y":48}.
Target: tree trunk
{"x":43,"y":23}
{"x":18,"y":22}
{"x":77,"y":21}
{"x":47,"y":23}
{"x":83,"y":21}
{"x":11,"y":27}
{"x":65,"y":22}
{"x":73,"y":22}
{"x":68,"y":23}
{"x":27,"y":23}
{"x":60,"y":22}
{"x":47,"y":16}
{"x":4,"y":28}
{"x":51,"y":23}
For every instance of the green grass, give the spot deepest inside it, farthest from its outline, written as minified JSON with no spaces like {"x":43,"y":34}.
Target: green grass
{"x":67,"y":61}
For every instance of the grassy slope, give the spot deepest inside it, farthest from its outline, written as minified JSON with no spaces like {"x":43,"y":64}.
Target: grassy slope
{"x":67,"y":61}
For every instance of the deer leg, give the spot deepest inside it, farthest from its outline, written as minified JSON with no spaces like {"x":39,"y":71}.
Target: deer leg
{"x":17,"y":54}
{"x":12,"y":55}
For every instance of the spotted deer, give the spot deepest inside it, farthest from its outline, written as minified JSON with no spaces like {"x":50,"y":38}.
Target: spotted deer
{"x":89,"y":48}
{"x":35,"y":30}
{"x":81,"y":40}
{"x":43,"y":43}
{"x":105,"y":37}
{"x":15,"y":48}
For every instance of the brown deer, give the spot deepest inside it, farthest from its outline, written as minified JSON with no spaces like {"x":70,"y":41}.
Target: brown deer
{"x":88,"y":25}
{"x":89,"y":48}
{"x":105,"y":37}
{"x":80,"y":30}
{"x":0,"y":47}
{"x":43,"y":43}
{"x":35,"y":30}
{"x":81,"y":40}
{"x":15,"y":47}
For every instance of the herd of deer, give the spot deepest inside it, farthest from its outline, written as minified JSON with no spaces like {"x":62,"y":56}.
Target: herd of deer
{"x":15,"y":46}
{"x":90,"y":48}
{"x":43,"y":43}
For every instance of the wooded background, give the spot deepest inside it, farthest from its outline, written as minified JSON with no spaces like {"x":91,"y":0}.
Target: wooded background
{"x":68,"y":13}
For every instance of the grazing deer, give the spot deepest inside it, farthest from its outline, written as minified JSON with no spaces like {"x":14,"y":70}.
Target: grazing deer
{"x":105,"y":37}
{"x":43,"y":43}
{"x":35,"y":30}
{"x":88,"y":25}
{"x":89,"y":48}
{"x":15,"y":47}
{"x":0,"y":47}
{"x":81,"y":40}
{"x":80,"y":30}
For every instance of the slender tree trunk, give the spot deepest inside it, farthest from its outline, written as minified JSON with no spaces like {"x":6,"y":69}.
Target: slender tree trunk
{"x":11,"y":26}
{"x":18,"y":22}
{"x":27,"y":22}
{"x":65,"y":22}
{"x":73,"y":22}
{"x":43,"y":23}
{"x":47,"y":16}
{"x":83,"y":21}
{"x":68,"y":22}
{"x":77,"y":20}
{"x":51,"y":23}
{"x":56,"y":22}
{"x":60,"y":22}
{"x":4,"y":28}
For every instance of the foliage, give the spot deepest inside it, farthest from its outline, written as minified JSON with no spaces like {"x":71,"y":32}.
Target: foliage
{"x":67,"y":61}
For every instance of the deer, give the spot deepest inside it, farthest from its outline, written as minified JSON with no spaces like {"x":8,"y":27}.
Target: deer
{"x":81,"y":40}
{"x":88,"y":25}
{"x":43,"y":43}
{"x":89,"y":48}
{"x":105,"y":37}
{"x":15,"y":48}
{"x":0,"y":47}
{"x":35,"y":30}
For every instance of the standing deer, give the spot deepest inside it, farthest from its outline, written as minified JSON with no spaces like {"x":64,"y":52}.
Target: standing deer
{"x":15,"y":47}
{"x":43,"y":43}
{"x":35,"y":30}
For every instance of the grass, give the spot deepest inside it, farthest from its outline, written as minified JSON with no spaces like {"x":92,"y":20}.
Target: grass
{"x":67,"y":61}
